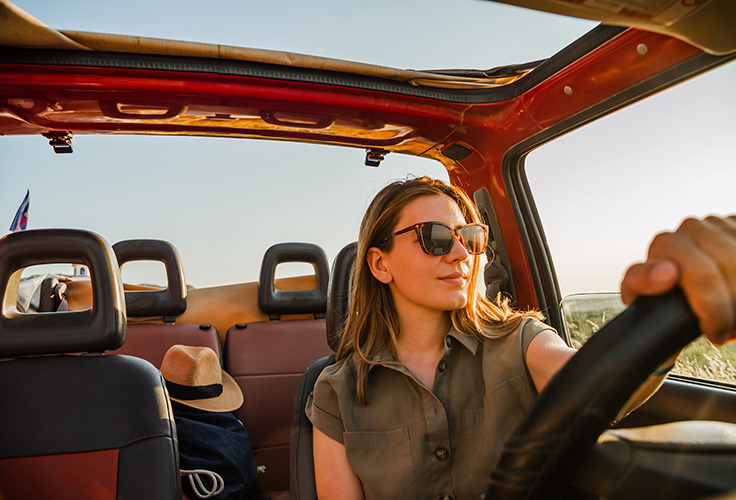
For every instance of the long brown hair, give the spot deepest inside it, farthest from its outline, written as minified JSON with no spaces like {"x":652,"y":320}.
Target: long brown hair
{"x":372,"y":324}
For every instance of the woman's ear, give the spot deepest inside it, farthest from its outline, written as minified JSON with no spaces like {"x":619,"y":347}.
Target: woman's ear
{"x":377,"y":265}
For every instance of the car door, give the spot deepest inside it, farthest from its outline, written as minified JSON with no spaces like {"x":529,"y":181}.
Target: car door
{"x":599,"y":194}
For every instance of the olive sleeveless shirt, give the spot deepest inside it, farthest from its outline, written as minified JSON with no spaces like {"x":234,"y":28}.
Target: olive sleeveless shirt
{"x":411,"y":441}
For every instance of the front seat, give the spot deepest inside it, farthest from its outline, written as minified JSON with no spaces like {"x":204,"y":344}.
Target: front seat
{"x":301,"y":461}
{"x":77,"y":426}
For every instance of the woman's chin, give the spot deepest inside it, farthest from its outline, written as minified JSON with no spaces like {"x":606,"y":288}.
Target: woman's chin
{"x":457,"y":302}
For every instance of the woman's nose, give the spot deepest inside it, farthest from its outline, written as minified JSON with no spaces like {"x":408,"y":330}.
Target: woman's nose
{"x":458,"y":250}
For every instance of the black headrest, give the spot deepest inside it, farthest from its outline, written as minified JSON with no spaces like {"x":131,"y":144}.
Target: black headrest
{"x":338,"y":294}
{"x":52,"y":294}
{"x":94,"y":330}
{"x":276,"y":302}
{"x":169,"y":302}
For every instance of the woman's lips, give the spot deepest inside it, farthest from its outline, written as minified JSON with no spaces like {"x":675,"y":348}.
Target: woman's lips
{"x":457,"y":278}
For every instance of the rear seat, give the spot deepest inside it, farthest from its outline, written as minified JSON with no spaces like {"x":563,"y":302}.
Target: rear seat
{"x":268,"y":358}
{"x":148,"y":338}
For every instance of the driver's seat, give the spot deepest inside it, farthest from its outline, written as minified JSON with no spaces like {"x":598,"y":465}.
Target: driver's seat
{"x":301,"y":461}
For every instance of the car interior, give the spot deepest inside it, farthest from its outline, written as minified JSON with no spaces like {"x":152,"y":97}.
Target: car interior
{"x":85,"y":410}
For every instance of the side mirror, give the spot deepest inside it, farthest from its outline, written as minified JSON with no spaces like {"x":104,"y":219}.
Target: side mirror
{"x":585,"y":313}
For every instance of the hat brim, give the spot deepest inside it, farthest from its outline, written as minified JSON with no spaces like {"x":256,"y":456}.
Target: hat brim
{"x":230,"y":400}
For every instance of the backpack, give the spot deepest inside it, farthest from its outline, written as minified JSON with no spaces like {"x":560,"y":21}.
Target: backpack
{"x":215,"y":456}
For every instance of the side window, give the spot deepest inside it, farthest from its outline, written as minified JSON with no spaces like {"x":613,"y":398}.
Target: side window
{"x":604,"y":190}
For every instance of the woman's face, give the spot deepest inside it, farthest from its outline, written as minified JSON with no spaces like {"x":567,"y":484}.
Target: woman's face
{"x":422,"y":283}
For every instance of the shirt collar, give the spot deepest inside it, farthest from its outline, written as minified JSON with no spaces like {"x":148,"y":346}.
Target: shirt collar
{"x":468,"y":342}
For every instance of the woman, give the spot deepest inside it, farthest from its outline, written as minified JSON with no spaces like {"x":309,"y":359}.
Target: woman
{"x":431,"y":377}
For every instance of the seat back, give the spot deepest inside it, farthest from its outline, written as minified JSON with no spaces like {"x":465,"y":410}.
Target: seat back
{"x":301,"y":462}
{"x":52,"y":295}
{"x":151,"y":339}
{"x":267,"y":358}
{"x":87,"y":426}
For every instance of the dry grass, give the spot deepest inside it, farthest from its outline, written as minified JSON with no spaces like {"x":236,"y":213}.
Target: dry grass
{"x":703,"y":360}
{"x":587,"y":314}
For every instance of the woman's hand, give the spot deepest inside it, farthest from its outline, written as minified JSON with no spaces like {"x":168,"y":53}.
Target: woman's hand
{"x":700,"y":257}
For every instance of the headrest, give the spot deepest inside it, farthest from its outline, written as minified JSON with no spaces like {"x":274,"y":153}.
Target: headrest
{"x":93,"y":330}
{"x":169,"y":302}
{"x":276,"y":302}
{"x":338,"y":294}
{"x":52,"y":294}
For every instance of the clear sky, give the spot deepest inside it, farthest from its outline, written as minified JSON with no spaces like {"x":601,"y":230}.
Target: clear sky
{"x":641,"y":170}
{"x":222,"y":201}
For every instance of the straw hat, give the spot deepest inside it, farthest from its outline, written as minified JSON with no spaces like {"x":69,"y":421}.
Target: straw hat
{"x":194,"y":378}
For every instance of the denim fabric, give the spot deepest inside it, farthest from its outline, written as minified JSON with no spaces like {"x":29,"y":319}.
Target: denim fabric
{"x":217,"y":442}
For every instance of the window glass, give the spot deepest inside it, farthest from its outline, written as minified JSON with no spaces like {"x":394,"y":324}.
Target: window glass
{"x":604,"y":190}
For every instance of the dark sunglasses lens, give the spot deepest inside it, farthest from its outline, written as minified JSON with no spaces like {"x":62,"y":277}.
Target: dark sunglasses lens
{"x":436,"y":238}
{"x":474,"y":238}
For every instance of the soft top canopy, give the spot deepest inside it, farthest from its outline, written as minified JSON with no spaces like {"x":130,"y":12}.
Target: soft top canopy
{"x":705,"y":24}
{"x":21,"y":30}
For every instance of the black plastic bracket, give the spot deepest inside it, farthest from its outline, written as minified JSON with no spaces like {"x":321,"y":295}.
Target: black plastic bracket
{"x":60,"y":141}
{"x":374,"y":156}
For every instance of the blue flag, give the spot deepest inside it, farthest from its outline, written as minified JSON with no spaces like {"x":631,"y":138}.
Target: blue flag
{"x":21,"y":216}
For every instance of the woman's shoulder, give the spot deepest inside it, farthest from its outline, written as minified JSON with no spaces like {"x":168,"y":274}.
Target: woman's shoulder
{"x":523,"y":331}
{"x":531,"y":326}
{"x":337,"y":374}
{"x":507,"y":353}
{"x":334,"y":388}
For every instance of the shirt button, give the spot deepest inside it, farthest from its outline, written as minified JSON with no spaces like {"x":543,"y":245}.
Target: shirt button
{"x":446,"y":497}
{"x":442,"y":366}
{"x":448,"y":342}
{"x":442,"y":453}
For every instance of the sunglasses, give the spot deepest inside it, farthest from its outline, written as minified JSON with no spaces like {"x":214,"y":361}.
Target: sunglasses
{"x":437,"y":238}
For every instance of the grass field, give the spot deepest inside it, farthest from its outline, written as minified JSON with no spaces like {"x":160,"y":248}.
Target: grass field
{"x":585,"y":314}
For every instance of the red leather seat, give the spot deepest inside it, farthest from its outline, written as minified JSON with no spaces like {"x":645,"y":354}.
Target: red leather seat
{"x":267,"y":358}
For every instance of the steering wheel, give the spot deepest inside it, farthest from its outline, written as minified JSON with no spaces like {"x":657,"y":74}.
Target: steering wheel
{"x":585,"y":396}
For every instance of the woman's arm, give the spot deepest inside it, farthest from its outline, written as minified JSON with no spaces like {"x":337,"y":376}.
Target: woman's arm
{"x":547,"y":353}
{"x":333,"y":475}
